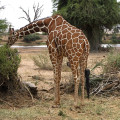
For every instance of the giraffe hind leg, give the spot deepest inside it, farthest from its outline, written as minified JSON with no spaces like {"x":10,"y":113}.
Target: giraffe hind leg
{"x":75,"y":73}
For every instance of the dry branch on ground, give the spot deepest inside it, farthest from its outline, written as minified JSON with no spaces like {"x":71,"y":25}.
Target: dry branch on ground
{"x":109,"y":84}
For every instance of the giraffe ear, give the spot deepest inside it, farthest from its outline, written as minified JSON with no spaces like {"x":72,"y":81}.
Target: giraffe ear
{"x":11,"y":30}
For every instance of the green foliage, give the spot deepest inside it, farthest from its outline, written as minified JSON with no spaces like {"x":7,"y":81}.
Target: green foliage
{"x":3,"y":23}
{"x":31,"y":37}
{"x":92,"y":16}
{"x":3,"y":26}
{"x":115,"y":39}
{"x":9,"y":62}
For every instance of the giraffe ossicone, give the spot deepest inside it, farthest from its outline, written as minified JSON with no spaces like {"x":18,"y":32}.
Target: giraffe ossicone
{"x":63,"y":40}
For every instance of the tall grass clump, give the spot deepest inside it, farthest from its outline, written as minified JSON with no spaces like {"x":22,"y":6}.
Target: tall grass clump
{"x":43,"y":62}
{"x":9,"y":63}
{"x":112,"y":63}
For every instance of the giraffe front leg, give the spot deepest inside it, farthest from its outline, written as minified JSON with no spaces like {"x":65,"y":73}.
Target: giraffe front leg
{"x":74,"y":68}
{"x":76,"y":81}
{"x":56,"y":87}
{"x":57,"y":63}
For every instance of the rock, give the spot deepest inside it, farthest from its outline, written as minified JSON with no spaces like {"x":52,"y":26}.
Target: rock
{"x":32,"y":87}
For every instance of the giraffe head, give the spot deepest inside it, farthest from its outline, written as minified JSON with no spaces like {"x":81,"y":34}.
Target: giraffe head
{"x":12,"y":37}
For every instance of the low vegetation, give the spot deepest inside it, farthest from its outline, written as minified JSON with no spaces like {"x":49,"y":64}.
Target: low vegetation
{"x":108,"y":82}
{"x":43,"y":62}
{"x":110,"y":63}
{"x":31,"y":37}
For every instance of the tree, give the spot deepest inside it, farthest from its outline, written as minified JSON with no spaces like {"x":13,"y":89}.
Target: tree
{"x":92,"y":16}
{"x":3,"y":23}
{"x":37,"y":13}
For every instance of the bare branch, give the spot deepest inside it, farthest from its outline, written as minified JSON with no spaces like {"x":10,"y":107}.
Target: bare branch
{"x":27,"y":15}
{"x":37,"y":13}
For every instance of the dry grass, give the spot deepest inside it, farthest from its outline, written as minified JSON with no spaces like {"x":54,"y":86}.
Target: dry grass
{"x":95,"y":109}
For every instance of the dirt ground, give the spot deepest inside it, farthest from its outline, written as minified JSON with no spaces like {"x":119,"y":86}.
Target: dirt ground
{"x":97,"y":108}
{"x":28,"y":69}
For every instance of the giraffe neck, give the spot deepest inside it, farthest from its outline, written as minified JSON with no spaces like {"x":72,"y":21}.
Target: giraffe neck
{"x":36,"y":26}
{"x":45,"y":25}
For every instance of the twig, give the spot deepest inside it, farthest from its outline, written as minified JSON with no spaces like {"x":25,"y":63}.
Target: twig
{"x":29,"y":93}
{"x":6,"y":102}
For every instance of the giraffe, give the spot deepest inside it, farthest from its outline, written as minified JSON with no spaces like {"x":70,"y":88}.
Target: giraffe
{"x":64,"y":40}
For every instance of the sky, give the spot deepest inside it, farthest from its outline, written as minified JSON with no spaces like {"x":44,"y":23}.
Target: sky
{"x":12,"y":12}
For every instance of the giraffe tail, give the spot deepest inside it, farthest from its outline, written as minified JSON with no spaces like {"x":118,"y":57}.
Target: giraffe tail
{"x":87,"y":73}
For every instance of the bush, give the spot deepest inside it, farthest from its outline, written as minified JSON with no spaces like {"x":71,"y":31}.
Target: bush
{"x":9,"y":63}
{"x":31,"y":37}
{"x":43,"y":62}
{"x":112,"y":62}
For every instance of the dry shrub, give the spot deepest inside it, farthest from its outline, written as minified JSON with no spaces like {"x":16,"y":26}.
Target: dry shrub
{"x":43,"y":62}
{"x":107,"y":82}
{"x":112,"y":63}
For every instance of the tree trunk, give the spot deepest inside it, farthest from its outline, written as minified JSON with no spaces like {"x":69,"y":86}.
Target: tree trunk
{"x":94,"y":36}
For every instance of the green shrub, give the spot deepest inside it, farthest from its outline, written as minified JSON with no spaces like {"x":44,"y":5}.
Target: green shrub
{"x":31,"y":37}
{"x":9,"y":63}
